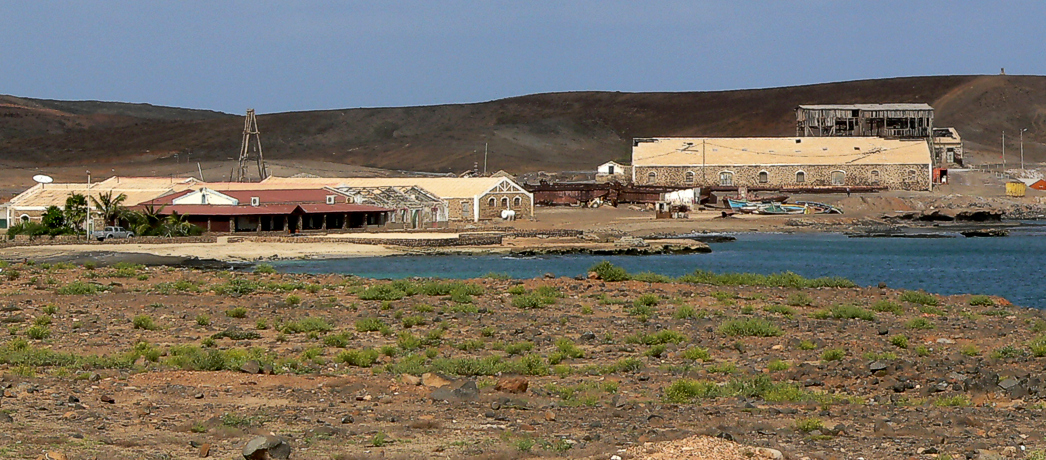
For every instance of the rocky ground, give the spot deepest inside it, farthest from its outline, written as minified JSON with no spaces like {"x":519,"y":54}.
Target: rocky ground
{"x":164,"y":363}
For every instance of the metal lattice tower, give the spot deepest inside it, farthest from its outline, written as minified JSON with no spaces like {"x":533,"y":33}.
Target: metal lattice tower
{"x":250,"y":129}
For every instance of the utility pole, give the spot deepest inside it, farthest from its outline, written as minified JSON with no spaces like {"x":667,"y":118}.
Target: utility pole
{"x":1022,"y":148}
{"x":1004,"y":152}
{"x":484,"y":158}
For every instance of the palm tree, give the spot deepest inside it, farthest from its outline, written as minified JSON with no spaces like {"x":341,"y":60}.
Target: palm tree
{"x":110,"y":207}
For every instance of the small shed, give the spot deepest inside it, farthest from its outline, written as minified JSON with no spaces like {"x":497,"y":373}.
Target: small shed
{"x":613,"y":171}
{"x":1037,"y":184}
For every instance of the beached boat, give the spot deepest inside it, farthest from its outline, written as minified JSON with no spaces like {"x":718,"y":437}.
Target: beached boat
{"x":820,"y":208}
{"x":781,"y":208}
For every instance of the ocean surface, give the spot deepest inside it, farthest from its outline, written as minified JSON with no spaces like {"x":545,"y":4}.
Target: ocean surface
{"x":1013,"y":267}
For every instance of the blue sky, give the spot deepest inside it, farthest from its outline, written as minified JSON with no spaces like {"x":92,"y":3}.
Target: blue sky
{"x":288,"y":56}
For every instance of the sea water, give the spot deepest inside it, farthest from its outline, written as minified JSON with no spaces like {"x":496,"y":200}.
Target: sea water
{"x":1013,"y":267}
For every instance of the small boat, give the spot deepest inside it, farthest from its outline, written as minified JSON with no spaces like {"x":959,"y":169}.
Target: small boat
{"x":781,"y":208}
{"x":820,"y":208}
{"x":742,"y":206}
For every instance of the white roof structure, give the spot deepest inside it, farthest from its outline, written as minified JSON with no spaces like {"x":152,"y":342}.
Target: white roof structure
{"x":443,"y":187}
{"x":137,"y":190}
{"x":778,"y":151}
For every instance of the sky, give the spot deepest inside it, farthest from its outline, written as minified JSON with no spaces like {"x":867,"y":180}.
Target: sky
{"x":311,"y":55}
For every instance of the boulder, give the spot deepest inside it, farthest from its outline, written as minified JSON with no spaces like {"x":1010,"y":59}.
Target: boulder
{"x":430,"y":379}
{"x":251,"y":367}
{"x":267,"y":448}
{"x":512,"y":385}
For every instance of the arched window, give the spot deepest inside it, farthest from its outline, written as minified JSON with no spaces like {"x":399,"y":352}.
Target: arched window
{"x":651,"y":177}
{"x":464,"y":208}
{"x":492,"y":202}
{"x":24,"y":218}
{"x":688,"y":177}
{"x":726,"y":178}
{"x":875,"y":176}
{"x":764,"y":177}
{"x":800,"y":177}
{"x":838,"y":178}
{"x":504,"y":202}
{"x":517,"y":201}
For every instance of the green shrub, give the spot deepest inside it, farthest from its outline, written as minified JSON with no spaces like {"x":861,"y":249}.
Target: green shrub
{"x":643,"y":312}
{"x":382,"y":292}
{"x":807,"y":425}
{"x":807,"y":345}
{"x":519,"y":348}
{"x":359,"y":358}
{"x":307,"y":324}
{"x":144,"y":322}
{"x":650,"y":277}
{"x":899,"y":341}
{"x":688,"y":312}
{"x":918,"y":297}
{"x":970,"y":350}
{"x":982,"y":301}
{"x":38,"y":332}
{"x":833,"y":354}
{"x":647,"y":300}
{"x":785,"y":279}
{"x":1007,"y":352}
{"x":339,"y":340}
{"x":203,"y":320}
{"x":660,"y":337}
{"x":884,"y":306}
{"x":266,"y":269}
{"x":655,"y":351}
{"x":369,"y":324}
{"x":50,"y":309}
{"x":236,"y":287}
{"x":568,"y":348}
{"x":408,"y":341}
{"x":518,"y":289}
{"x":779,"y":309}
{"x":471,"y":345}
{"x":750,"y":327}
{"x":80,"y":288}
{"x":952,"y":401}
{"x":920,"y":324}
{"x":722,"y":368}
{"x":530,"y":301}
{"x":777,"y":365}
{"x":697,"y":354}
{"x":236,"y":334}
{"x":851,"y":312}
{"x":609,"y":272}
{"x":293,"y":300}
{"x":238,"y":312}
{"x":930,"y":310}
{"x":411,"y":321}
{"x":686,"y":391}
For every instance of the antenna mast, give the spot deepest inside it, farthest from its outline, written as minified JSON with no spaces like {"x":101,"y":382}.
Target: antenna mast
{"x":250,"y":129}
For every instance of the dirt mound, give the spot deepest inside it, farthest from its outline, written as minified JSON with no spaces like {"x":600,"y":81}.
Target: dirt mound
{"x":559,"y":131}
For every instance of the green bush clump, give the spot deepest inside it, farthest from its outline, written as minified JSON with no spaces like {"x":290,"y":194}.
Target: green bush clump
{"x":359,"y":358}
{"x":237,"y":312}
{"x":339,"y":340}
{"x":609,"y":272}
{"x":982,"y":301}
{"x":777,"y":366}
{"x":38,"y":332}
{"x":899,"y":341}
{"x":411,"y":321}
{"x":144,"y":322}
{"x":918,"y":297}
{"x":799,"y":299}
{"x":266,"y":269}
{"x":833,"y":354}
{"x":920,"y":324}
{"x":647,"y":300}
{"x":750,"y":327}
{"x":851,"y":312}
{"x":780,"y":309}
{"x":236,"y":287}
{"x":658,"y":338}
{"x":697,"y":354}
{"x":408,"y":341}
{"x":307,"y":324}
{"x":760,"y":386}
{"x":785,"y":279}
{"x":370,"y":324}
{"x":519,"y":348}
{"x":808,"y":425}
{"x":382,"y":292}
{"x":236,"y":334}
{"x":688,"y":312}
{"x":80,"y":288}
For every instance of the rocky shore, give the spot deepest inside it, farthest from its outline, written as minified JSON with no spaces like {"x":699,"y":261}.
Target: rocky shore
{"x":139,"y":362}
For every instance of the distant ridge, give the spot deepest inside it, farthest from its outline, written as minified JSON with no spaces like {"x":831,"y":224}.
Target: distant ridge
{"x":553,"y":131}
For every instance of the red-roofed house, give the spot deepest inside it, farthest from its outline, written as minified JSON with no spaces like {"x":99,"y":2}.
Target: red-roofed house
{"x":288,"y":210}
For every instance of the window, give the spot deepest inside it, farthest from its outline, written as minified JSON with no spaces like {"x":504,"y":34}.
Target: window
{"x":726,"y":178}
{"x":764,"y":177}
{"x":492,"y":202}
{"x":651,"y":177}
{"x":911,"y":174}
{"x":464,"y":208}
{"x":517,"y":201}
{"x":838,"y":178}
{"x":504,"y":202}
{"x":800,"y":177}
{"x":610,"y":169}
{"x":688,"y":177}
{"x":875,"y":176}
{"x":24,"y":218}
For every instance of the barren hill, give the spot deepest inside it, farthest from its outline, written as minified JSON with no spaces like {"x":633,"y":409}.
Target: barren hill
{"x":558,"y":131}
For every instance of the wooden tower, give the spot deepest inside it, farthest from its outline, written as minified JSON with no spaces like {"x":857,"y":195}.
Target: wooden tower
{"x":250,"y":129}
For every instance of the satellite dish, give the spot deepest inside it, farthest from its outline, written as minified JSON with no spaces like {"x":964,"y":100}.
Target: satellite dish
{"x":43,"y":179}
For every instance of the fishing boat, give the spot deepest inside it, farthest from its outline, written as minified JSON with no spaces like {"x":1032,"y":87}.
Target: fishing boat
{"x":820,"y":208}
{"x":742,"y":206}
{"x":781,"y":208}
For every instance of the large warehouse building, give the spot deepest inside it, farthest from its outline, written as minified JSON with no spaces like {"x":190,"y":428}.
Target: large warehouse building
{"x":782,"y":162}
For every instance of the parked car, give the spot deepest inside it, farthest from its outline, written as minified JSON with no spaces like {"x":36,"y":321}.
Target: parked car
{"x":112,"y":232}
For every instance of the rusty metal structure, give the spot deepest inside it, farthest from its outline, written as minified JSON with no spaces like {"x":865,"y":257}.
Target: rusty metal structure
{"x":250,"y":130}
{"x":612,"y":193}
{"x":865,"y":120}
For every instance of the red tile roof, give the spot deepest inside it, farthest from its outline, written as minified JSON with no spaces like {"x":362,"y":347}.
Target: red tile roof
{"x":261,"y":210}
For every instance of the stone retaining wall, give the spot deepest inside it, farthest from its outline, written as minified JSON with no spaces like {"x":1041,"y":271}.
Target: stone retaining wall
{"x":65,"y":240}
{"x":462,"y":240}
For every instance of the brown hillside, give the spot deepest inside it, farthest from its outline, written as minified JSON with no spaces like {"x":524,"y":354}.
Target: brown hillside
{"x":560,"y":131}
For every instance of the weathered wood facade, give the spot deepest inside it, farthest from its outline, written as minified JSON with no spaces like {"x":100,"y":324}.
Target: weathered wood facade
{"x":865,"y":120}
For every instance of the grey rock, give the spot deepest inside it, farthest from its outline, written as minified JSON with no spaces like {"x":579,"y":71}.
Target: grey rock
{"x":267,"y":447}
{"x":878,"y":366}
{"x":1008,"y":384}
{"x":251,"y":367}
{"x":6,"y":418}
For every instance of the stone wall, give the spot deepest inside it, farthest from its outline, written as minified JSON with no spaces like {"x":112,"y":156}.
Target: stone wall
{"x":24,"y":240}
{"x":524,"y":209}
{"x":460,"y":240}
{"x":897,"y":177}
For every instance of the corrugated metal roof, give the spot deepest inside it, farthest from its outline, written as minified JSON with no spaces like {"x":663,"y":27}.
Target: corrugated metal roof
{"x":892,"y":106}
{"x":262,"y":210}
{"x":768,"y":151}
{"x":443,"y":187}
